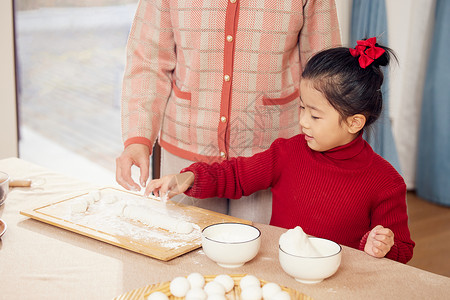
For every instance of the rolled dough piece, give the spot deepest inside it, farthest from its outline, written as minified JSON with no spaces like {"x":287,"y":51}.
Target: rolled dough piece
{"x":79,"y":206}
{"x":109,"y":199}
{"x":148,"y":216}
{"x":95,"y":194}
{"x":118,"y":208}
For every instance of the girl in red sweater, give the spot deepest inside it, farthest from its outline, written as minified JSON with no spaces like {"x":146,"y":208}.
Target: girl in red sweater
{"x":327,"y":180}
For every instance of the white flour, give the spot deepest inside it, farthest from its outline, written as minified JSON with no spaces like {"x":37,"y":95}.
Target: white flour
{"x":102,"y":216}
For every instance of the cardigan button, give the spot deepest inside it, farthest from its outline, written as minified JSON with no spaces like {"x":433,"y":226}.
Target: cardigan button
{"x":226,"y":77}
{"x":233,"y":1}
{"x":223,"y":119}
{"x":223,"y":154}
{"x":229,"y":38}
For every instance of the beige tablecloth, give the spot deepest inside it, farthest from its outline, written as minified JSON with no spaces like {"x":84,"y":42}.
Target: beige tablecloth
{"x":40,"y":261}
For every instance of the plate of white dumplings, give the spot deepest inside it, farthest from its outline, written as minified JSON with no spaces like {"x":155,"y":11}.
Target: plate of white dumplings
{"x":196,"y":286}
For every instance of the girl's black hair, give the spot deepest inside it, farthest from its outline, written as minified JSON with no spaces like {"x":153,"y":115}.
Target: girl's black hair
{"x":348,"y":87}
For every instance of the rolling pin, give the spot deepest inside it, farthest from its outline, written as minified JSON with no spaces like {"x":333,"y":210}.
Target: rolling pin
{"x":20,"y":183}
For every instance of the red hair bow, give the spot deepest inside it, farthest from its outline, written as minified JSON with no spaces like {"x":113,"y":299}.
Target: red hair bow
{"x":367,"y":51}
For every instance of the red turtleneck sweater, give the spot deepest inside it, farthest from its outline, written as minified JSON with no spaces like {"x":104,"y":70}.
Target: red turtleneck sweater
{"x":340,"y":194}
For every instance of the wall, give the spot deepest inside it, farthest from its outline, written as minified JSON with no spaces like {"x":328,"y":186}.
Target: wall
{"x":8,"y":116}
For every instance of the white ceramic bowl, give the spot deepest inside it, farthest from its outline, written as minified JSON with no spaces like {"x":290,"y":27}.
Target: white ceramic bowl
{"x":231,"y":245}
{"x":313,"y":269}
{"x":4,"y":186}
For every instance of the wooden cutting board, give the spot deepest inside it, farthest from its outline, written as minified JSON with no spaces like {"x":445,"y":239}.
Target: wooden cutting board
{"x":101,"y":223}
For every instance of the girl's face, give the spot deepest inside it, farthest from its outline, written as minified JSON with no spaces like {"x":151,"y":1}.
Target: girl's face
{"x":320,"y":122}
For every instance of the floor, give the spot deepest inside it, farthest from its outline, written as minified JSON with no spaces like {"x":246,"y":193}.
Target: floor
{"x":70,"y":68}
{"x":430,"y":229}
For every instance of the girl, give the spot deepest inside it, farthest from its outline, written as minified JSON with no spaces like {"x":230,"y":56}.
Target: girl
{"x":327,"y":180}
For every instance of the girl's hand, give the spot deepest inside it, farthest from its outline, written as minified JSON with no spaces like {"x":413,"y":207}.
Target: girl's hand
{"x":171,"y":185}
{"x":379,"y":241}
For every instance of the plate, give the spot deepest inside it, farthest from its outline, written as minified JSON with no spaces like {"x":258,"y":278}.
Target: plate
{"x":144,"y":292}
{"x":2,"y":227}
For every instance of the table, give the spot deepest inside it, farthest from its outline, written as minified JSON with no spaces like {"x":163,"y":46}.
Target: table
{"x":40,"y":261}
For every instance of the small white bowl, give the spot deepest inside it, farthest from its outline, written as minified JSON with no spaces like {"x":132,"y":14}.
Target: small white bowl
{"x":231,"y":245}
{"x":4,"y":186}
{"x":313,"y":269}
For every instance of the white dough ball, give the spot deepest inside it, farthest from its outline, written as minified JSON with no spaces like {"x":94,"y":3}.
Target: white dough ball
{"x":79,"y":206}
{"x":157,"y":296}
{"x":179,"y":286}
{"x":226,"y":281}
{"x":252,"y":292}
{"x":196,"y":280}
{"x":109,"y":199}
{"x":214,"y":287}
{"x":88,"y":198}
{"x":281,"y":295}
{"x":249,"y":280}
{"x":95,"y":194}
{"x":196,"y":293}
{"x":216,"y":297}
{"x":270,"y":289}
{"x":184,"y":227}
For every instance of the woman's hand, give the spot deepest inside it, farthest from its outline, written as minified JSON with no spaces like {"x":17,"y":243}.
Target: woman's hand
{"x":134,"y":154}
{"x":379,"y":241}
{"x":171,"y":185}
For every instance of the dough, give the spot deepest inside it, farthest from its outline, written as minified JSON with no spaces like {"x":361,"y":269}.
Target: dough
{"x":109,"y":199}
{"x":216,"y":297}
{"x":179,"y":286}
{"x":157,"y":296}
{"x":270,"y":289}
{"x":226,"y":281}
{"x":95,"y":194}
{"x":79,"y":206}
{"x":196,"y":280}
{"x":282,"y":295}
{"x":253,"y":292}
{"x":296,"y":242}
{"x":213,"y":288}
{"x":148,"y":216}
{"x":249,"y":280}
{"x":196,"y":293}
{"x":117,"y":209}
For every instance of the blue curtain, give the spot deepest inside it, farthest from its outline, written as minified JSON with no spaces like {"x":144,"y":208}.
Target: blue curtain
{"x":433,"y":161}
{"x":369,"y":19}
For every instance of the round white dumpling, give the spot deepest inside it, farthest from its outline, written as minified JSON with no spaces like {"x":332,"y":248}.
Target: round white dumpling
{"x":214,"y":287}
{"x":226,"y":281}
{"x":95,"y":194}
{"x":157,"y":296}
{"x":196,"y":293}
{"x":196,"y":280}
{"x":109,"y":199}
{"x":270,"y":289}
{"x":249,"y":280}
{"x":79,"y":206}
{"x":281,"y":295}
{"x":179,"y":286}
{"x":216,"y":297}
{"x":184,"y":227}
{"x":252,"y":292}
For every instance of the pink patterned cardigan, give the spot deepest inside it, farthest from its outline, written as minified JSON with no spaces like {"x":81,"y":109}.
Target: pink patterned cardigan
{"x":219,"y":79}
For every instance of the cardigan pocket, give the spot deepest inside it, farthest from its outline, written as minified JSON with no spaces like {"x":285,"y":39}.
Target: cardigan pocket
{"x":177,"y":118}
{"x":179,"y":93}
{"x":277,"y":117}
{"x":282,"y":100}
